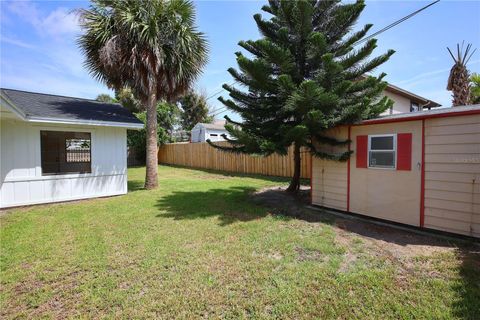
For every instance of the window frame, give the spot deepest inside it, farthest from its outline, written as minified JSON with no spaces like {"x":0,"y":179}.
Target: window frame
{"x":414,"y":105}
{"x":65,"y":174}
{"x":394,"y":150}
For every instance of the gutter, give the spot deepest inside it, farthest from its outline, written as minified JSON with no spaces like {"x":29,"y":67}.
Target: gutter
{"x":125,"y":125}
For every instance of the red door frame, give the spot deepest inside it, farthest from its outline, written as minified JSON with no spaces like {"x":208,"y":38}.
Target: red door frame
{"x":422,"y":179}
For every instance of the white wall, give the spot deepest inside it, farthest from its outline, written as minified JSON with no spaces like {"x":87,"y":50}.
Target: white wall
{"x":218,"y":137}
{"x":201,"y":134}
{"x":21,"y":180}
{"x":400,"y":103}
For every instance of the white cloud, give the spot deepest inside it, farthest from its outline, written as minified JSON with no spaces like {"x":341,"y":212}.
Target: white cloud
{"x":16,"y":42}
{"x":60,"y":22}
{"x":57,"y":23}
{"x":429,"y":74}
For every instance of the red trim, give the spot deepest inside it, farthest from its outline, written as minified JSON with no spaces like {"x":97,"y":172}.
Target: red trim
{"x":348,"y":169}
{"x":422,"y":179}
{"x":404,"y":151}
{"x":420,"y":117}
{"x":362,"y":151}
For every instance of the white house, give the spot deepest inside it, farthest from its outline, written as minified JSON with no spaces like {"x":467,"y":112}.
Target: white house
{"x":213,"y":131}
{"x":56,"y":148}
{"x":405,"y":101}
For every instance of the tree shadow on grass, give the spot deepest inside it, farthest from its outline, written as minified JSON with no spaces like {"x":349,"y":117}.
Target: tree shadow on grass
{"x":468,"y":286}
{"x":229,"y":205}
{"x":135,"y":185}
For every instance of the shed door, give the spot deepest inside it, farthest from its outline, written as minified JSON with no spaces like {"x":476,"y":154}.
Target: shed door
{"x":385,"y":172}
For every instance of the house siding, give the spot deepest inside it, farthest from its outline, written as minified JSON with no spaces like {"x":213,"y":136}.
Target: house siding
{"x":452,"y":174}
{"x":329,"y":178}
{"x":21,"y":177}
{"x":401,"y":104}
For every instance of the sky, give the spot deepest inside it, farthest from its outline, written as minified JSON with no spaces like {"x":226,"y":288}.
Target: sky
{"x":38,"y":50}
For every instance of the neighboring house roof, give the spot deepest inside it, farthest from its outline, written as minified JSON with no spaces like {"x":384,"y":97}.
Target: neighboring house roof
{"x":436,"y":113}
{"x":412,"y":96}
{"x":49,"y":108}
{"x":426,"y":103}
{"x":216,"y":125}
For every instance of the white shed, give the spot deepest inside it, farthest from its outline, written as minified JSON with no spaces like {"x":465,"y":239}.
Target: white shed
{"x":56,"y":148}
{"x":213,"y":131}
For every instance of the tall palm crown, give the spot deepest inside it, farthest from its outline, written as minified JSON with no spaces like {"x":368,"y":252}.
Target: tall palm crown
{"x":459,"y":79}
{"x":144,"y":45}
{"x":150,"y":46}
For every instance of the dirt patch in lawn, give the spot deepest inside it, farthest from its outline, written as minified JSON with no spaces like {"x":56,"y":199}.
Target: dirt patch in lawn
{"x":398,"y":245}
{"x":282,"y":202}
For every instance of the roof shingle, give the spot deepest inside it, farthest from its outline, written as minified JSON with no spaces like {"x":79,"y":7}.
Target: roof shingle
{"x":41,"y":105}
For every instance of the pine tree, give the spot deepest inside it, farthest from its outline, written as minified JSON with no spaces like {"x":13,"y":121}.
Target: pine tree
{"x":195,"y":109}
{"x":303,"y":77}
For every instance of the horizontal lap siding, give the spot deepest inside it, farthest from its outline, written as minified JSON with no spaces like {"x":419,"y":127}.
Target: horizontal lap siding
{"x":452,"y":174}
{"x":329,"y":178}
{"x":329,"y":184}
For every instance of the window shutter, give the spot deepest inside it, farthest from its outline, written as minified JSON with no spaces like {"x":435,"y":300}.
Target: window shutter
{"x":362,"y":149}
{"x":404,"y":151}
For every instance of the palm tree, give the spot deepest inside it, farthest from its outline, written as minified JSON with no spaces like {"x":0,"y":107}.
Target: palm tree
{"x":149,"y":46}
{"x":459,"y":79}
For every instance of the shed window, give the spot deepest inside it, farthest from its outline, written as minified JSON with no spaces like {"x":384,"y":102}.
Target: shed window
{"x":65,"y":152}
{"x":381,"y":151}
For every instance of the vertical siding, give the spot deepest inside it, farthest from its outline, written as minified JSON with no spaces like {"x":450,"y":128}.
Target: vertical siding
{"x":329,"y":178}
{"x":452,"y":174}
{"x":22,"y":182}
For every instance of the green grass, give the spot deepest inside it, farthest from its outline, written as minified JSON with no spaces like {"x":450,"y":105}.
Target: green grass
{"x":198,"y":247}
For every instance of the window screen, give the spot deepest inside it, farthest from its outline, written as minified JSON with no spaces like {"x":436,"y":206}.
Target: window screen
{"x":65,"y":152}
{"x":381,"y":153}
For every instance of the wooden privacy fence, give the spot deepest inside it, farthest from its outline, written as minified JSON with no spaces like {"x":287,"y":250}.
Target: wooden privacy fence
{"x":202,"y":155}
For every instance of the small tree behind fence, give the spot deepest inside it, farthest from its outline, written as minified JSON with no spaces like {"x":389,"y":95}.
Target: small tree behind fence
{"x":202,"y":155}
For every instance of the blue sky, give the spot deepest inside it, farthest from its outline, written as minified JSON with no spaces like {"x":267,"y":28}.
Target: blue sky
{"x":38,"y":50}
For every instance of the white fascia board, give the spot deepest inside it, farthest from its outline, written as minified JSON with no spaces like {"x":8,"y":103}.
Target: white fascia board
{"x":126,"y":125}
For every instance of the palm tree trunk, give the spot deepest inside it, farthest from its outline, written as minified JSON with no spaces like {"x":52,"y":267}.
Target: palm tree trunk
{"x":151,"y":176}
{"x":295,"y":182}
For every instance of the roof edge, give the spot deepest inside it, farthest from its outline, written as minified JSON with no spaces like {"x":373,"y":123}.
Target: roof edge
{"x":126,"y":125}
{"x":421,"y":115}
{"x":10,"y":105}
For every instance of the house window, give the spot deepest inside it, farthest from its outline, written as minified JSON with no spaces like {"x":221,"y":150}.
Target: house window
{"x":65,"y":152}
{"x":414,"y":107}
{"x":381,"y":151}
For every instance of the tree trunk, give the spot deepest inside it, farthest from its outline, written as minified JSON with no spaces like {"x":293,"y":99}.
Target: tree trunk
{"x":295,"y":182}
{"x":151,"y":176}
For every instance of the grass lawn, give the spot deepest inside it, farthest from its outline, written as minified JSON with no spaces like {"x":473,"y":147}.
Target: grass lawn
{"x":199,"y":247}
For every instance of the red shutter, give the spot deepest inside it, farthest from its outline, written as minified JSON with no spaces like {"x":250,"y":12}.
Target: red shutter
{"x":404,"y":151}
{"x":362,"y":149}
